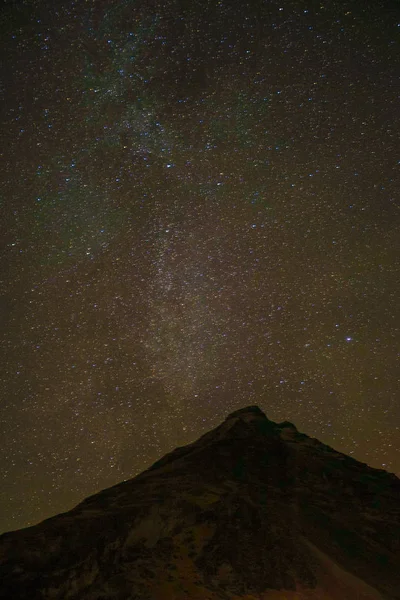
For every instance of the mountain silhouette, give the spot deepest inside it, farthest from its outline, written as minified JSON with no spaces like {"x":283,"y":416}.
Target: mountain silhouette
{"x":252,"y":510}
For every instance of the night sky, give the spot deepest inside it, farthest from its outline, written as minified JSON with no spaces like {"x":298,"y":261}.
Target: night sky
{"x":200,"y":212}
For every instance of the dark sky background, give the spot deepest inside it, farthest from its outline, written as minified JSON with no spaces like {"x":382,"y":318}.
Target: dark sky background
{"x":200,"y":212}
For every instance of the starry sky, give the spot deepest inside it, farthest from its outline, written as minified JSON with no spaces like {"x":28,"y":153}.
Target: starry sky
{"x":199,"y":212}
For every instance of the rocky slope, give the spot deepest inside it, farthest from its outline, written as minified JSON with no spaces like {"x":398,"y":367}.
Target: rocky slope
{"x":253,"y":510}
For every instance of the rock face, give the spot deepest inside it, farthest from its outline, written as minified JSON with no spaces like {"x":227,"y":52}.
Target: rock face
{"x":253,"y":510}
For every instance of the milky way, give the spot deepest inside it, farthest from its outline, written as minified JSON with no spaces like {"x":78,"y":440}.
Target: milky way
{"x":200,"y":213}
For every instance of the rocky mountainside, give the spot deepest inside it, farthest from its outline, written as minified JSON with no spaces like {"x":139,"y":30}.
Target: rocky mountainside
{"x":253,"y":510}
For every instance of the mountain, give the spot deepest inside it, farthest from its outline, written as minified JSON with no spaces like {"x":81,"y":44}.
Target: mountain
{"x":253,"y":510}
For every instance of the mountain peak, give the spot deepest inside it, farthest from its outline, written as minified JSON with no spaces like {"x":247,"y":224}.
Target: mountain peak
{"x":241,"y":423}
{"x":254,"y":413}
{"x":252,"y":410}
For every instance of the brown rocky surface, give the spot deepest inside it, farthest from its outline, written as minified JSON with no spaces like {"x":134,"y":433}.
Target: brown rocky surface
{"x":253,"y":510}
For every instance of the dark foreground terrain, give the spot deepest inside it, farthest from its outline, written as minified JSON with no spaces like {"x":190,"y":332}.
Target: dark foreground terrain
{"x":253,"y":510}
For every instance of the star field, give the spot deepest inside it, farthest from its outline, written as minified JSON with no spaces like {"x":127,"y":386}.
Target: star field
{"x":200,"y":212}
